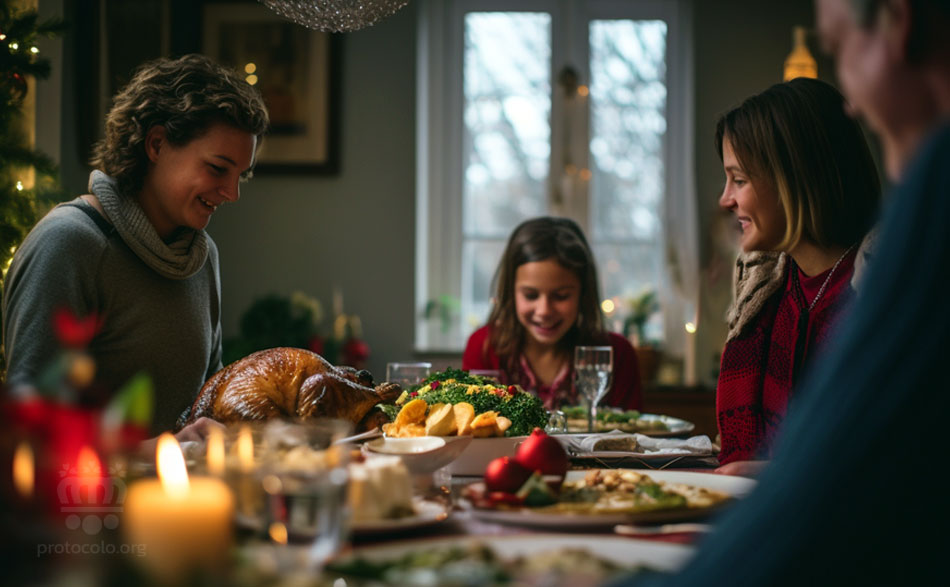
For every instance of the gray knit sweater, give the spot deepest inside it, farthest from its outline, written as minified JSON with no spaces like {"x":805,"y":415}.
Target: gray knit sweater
{"x":169,"y":328}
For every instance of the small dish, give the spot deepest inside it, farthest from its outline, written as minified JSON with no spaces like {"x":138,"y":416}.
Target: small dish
{"x":422,"y":454}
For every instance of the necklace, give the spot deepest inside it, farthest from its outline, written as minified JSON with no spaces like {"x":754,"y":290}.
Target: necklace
{"x":821,"y":290}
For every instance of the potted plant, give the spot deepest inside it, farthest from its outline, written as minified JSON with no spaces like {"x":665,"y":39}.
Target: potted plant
{"x":641,"y":308}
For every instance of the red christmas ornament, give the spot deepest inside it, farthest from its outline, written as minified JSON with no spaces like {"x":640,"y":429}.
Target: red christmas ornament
{"x":506,"y":475}
{"x":355,"y":353}
{"x":540,"y":452}
{"x":75,"y":332}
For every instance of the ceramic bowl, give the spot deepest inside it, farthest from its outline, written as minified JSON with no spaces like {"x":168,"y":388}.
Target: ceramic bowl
{"x":423,"y":454}
{"x":478,"y":452}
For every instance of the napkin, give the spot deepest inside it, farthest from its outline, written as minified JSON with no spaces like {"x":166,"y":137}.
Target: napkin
{"x":695,"y":445}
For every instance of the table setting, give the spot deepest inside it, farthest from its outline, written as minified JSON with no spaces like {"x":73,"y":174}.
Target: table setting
{"x":465,"y":475}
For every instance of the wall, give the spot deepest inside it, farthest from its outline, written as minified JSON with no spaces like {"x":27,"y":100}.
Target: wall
{"x":355,"y":230}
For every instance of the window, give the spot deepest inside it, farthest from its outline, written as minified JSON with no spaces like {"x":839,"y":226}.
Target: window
{"x":574,"y":109}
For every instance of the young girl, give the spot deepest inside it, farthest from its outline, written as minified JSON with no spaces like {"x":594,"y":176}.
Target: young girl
{"x":804,"y":190}
{"x":546,"y":303}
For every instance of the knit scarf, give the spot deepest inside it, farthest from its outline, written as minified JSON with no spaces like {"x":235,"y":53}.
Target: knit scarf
{"x":761,"y":366}
{"x":184,"y":256}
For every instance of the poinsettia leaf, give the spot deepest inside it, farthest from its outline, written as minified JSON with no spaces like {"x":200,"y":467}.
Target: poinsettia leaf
{"x":132,"y":404}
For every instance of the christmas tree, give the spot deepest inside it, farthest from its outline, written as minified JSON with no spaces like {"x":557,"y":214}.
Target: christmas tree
{"x":21,"y":203}
{"x":19,"y":59}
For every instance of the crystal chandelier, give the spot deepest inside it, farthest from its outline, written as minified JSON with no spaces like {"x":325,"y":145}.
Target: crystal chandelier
{"x":335,"y":16}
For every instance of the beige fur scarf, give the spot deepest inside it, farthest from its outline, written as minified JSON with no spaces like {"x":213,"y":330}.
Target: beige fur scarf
{"x":759,"y":274}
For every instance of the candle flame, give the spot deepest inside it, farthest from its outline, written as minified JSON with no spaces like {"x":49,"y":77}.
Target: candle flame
{"x":245,"y":449}
{"x":215,"y":454}
{"x":278,"y":533}
{"x":23,"y":469}
{"x":171,"y":466}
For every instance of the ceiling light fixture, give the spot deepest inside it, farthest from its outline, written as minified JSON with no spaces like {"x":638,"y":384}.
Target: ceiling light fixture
{"x":335,"y":16}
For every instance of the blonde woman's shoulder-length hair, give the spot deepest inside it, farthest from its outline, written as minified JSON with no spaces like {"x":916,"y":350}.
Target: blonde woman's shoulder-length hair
{"x":186,"y":96}
{"x":797,"y":138}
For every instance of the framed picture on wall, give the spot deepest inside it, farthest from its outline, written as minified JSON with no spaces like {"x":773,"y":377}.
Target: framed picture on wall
{"x":295,"y":70}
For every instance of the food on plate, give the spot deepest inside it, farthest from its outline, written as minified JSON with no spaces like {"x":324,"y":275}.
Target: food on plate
{"x":477,"y":563}
{"x":523,"y":410}
{"x":489,"y":424}
{"x":613,"y":419}
{"x":536,"y":492}
{"x":614,"y":491}
{"x":412,"y":413}
{"x":289,"y":382}
{"x":621,"y":443}
{"x":464,"y":414}
{"x":380,"y":489}
{"x":417,"y":418}
{"x":441,"y":421}
{"x":543,"y":453}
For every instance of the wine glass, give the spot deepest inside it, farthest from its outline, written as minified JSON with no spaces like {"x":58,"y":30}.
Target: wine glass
{"x":304,"y":477}
{"x":593,"y":366}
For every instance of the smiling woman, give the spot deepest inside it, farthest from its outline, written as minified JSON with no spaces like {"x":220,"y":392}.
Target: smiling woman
{"x":179,"y":139}
{"x":804,"y":190}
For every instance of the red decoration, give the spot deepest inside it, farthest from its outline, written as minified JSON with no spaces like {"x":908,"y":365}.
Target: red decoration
{"x":75,"y":332}
{"x":505,"y":475}
{"x":316,"y":345}
{"x":355,"y":353}
{"x":540,"y":452}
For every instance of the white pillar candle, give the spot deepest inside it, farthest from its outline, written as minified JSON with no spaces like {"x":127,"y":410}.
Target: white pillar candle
{"x":183,"y":524}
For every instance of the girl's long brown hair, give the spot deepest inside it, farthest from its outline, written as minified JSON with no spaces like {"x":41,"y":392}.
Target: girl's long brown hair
{"x":540,"y":239}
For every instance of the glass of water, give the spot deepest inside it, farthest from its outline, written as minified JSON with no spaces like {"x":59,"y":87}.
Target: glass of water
{"x":407,"y":374}
{"x":304,"y":478}
{"x":593,"y":366}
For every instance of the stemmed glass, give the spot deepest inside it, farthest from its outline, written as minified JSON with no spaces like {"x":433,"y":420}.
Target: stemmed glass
{"x":593,"y":366}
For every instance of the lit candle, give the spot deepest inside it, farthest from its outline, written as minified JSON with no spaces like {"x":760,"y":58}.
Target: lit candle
{"x":24,"y":470}
{"x":182,"y":524}
{"x":689,"y":363}
{"x":245,"y":450}
{"x":215,"y":456}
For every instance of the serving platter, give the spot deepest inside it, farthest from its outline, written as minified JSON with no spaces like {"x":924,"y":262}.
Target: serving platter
{"x":672,"y":426}
{"x":626,"y":553}
{"x":735,"y":487}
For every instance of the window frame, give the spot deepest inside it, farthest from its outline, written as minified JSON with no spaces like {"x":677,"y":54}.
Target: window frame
{"x":439,"y":163}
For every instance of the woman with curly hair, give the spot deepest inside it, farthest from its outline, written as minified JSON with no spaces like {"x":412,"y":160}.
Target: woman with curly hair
{"x":179,"y":140}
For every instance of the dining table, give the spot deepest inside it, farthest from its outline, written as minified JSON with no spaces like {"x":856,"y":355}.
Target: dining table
{"x":257,"y":559}
{"x":464,"y":523}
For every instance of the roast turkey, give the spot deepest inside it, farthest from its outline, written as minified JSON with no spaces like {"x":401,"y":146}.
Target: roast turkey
{"x":289,"y":382}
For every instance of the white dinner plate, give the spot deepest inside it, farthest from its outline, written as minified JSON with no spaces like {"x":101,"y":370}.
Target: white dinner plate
{"x":427,"y":513}
{"x":625,"y":552}
{"x":736,"y":487}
